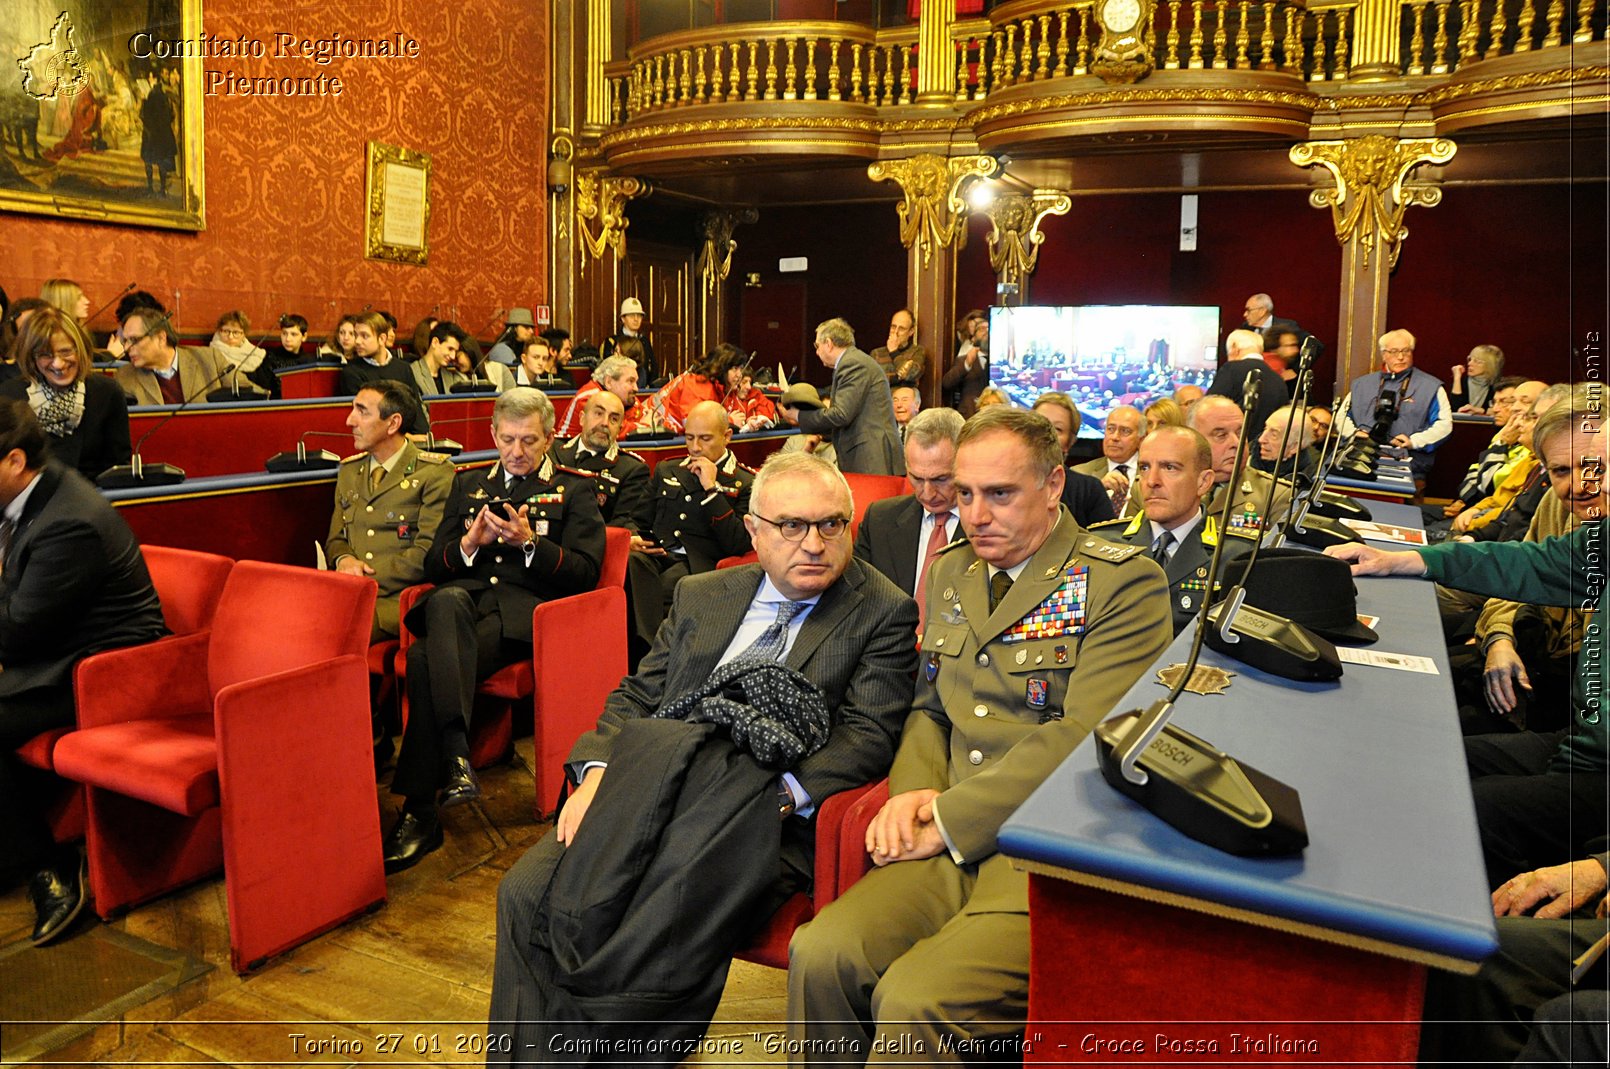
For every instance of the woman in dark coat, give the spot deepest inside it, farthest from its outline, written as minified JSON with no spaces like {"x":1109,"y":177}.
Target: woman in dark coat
{"x":83,"y":412}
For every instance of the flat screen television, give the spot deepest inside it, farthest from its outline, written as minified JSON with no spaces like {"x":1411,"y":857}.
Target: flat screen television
{"x":1101,"y":355}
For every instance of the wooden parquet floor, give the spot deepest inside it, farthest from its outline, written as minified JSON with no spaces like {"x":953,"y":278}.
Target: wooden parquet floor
{"x":419,"y":969}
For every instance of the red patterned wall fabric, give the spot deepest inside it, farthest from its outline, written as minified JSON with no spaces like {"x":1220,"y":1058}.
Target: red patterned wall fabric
{"x":285,"y":175}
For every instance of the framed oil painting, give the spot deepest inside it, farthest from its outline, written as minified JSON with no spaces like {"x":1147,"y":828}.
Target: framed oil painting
{"x":100,"y":111}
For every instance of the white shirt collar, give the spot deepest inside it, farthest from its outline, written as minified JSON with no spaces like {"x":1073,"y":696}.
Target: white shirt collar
{"x":13,"y":511}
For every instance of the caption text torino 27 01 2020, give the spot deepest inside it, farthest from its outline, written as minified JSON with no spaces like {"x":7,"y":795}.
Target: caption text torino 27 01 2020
{"x":289,"y":48}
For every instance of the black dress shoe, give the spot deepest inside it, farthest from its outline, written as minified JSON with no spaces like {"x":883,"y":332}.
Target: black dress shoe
{"x":58,"y":896}
{"x":459,"y":784}
{"x":409,"y":840}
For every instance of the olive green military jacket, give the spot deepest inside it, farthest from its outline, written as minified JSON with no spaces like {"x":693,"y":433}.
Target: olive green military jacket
{"x":1004,"y":697}
{"x":1248,"y":493}
{"x":390,"y":528}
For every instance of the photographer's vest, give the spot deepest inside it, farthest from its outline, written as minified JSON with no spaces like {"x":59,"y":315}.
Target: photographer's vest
{"x":1417,"y":400}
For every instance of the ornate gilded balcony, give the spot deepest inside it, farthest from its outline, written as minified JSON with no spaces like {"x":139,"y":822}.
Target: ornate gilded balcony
{"x":1043,"y":78}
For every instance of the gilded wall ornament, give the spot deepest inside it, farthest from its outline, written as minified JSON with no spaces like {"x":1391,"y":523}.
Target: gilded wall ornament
{"x":933,"y":214}
{"x":1371,"y":194}
{"x":1015,"y":237}
{"x":715,"y":249}
{"x":601,"y":210}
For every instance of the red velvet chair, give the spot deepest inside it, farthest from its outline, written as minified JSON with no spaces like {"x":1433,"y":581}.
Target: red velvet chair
{"x":841,"y":859}
{"x":865,"y":489}
{"x":244,"y":746}
{"x":189,"y":584}
{"x":578,"y":655}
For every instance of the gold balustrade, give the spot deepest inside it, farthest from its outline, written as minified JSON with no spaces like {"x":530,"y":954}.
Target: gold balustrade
{"x":1027,"y":43}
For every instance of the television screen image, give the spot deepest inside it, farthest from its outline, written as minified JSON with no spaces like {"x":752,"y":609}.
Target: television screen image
{"x":1102,"y":355}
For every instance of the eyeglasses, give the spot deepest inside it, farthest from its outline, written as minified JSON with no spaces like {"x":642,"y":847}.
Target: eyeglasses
{"x":1396,"y":352}
{"x":231,"y":332}
{"x":131,"y":342}
{"x":65,"y":355}
{"x":794,"y":530}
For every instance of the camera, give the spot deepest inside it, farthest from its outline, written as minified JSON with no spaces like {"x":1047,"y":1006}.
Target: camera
{"x":1386,"y":413}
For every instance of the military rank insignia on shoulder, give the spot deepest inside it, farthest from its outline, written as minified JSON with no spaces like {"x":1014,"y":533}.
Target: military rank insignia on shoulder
{"x":355,"y":456}
{"x":1115,"y":552}
{"x":1103,"y":525}
{"x":434,"y":458}
{"x":568,"y":470}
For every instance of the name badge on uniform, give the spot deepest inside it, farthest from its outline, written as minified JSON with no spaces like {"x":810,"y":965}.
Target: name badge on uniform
{"x":1037,"y":693}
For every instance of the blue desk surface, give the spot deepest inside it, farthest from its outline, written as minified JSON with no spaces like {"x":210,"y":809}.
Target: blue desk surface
{"x":1393,"y":864}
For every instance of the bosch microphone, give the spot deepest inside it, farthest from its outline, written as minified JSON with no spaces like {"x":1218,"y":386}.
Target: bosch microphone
{"x":1183,"y":779}
{"x":1251,"y":635}
{"x":299,"y":459}
{"x":136,"y":472}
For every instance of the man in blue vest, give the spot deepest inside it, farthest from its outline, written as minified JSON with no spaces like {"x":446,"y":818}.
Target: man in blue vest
{"x":1399,"y":405}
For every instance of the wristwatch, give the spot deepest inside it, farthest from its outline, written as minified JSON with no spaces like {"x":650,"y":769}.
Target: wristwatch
{"x":785,"y":800}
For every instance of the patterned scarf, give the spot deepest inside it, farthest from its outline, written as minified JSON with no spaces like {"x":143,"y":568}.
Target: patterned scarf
{"x":59,"y":411}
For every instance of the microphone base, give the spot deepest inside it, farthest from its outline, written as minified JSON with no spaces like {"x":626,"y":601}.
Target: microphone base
{"x":288,"y":461}
{"x":224,"y":396}
{"x":126,"y":477}
{"x":1319,"y":532}
{"x":1205,"y":793}
{"x":1275,"y":645}
{"x":1338,"y":506}
{"x":444,"y":445}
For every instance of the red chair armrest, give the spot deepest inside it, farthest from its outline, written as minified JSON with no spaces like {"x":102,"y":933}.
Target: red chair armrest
{"x":732,"y":562}
{"x":405,"y":602}
{"x":159,"y":679}
{"x":841,"y":825}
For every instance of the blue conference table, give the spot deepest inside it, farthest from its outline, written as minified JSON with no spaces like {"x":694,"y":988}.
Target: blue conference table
{"x":1327,"y":947}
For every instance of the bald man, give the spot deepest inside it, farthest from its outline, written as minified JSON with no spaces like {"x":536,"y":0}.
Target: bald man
{"x":624,"y":495}
{"x":700,"y":503}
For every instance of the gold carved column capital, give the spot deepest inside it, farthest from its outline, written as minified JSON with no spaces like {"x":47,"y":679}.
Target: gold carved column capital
{"x":1371,"y":191}
{"x":601,"y":210}
{"x":933,"y":214}
{"x":715,"y":250}
{"x":1015,"y":237}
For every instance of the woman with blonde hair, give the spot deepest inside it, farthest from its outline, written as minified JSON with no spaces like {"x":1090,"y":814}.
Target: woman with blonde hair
{"x":1164,"y":412}
{"x":1472,"y":390}
{"x":83,"y":413}
{"x":67,"y":295}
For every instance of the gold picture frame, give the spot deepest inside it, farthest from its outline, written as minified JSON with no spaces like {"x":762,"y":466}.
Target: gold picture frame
{"x":95,"y":125}
{"x":397,"y":224}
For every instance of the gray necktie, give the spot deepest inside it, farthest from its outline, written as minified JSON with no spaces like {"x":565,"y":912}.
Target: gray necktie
{"x":1160,"y":547}
{"x":769,"y":646}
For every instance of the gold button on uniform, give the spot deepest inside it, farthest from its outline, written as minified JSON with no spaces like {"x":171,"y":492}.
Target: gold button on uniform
{"x":983,"y":660}
{"x":371,"y":532}
{"x":976,"y":757}
{"x":493,"y":580}
{"x":980,"y":710}
{"x":368,"y":556}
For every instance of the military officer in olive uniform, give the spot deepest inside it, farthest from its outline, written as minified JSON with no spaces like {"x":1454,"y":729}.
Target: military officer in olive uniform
{"x":625,"y":496}
{"x":1035,"y":629}
{"x":1218,"y":419}
{"x":1174,"y":471}
{"x":517,"y":534}
{"x":388,"y":501}
{"x":699,"y":506}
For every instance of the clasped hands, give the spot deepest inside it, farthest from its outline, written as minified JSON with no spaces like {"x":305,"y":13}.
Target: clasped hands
{"x":905,"y":829}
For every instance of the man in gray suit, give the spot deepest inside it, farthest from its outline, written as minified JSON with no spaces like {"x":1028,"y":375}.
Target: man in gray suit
{"x":843,"y":626}
{"x":861,"y":417}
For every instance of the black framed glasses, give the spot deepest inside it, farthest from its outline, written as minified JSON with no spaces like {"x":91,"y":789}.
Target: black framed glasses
{"x":794,"y":530}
